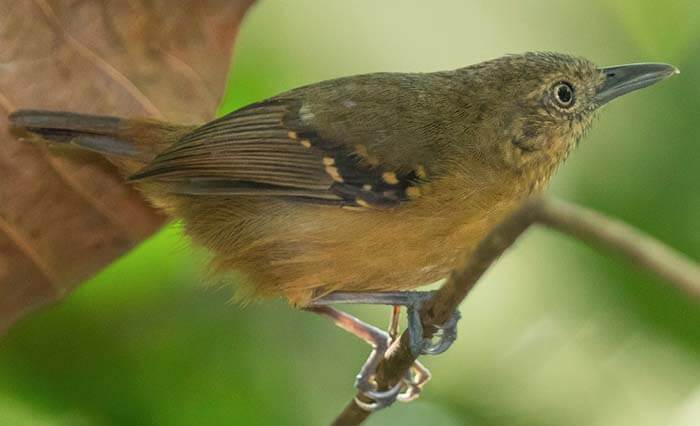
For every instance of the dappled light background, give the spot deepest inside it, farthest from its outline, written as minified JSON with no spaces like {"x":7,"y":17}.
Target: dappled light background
{"x":557,"y":333}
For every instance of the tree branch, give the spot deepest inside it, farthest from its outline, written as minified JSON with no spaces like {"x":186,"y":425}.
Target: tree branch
{"x":579,"y":222}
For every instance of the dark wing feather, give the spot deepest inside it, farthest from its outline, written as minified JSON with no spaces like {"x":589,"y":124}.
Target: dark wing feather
{"x":264,"y":149}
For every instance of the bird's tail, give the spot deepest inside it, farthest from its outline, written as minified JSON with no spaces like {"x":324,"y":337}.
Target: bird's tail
{"x":128,"y":143}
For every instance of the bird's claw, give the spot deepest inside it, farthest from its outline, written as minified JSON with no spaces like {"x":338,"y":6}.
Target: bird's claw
{"x":441,"y":341}
{"x":413,"y":382}
{"x":406,"y":390}
{"x":380,"y":399}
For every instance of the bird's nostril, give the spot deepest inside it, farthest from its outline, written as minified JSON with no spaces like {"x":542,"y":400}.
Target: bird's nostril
{"x":611,"y":74}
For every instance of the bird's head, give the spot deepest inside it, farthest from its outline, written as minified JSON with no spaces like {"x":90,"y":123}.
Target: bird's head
{"x":541,"y":104}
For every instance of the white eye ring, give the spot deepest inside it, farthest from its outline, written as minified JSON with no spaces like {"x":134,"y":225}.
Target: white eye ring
{"x":564,"y":94}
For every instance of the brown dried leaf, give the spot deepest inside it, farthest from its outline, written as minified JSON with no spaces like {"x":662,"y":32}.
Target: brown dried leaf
{"x":64,"y":216}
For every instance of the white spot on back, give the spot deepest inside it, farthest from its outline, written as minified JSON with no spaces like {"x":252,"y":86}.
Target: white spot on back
{"x":305,"y":114}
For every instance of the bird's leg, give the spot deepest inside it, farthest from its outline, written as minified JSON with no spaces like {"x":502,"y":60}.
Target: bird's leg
{"x":379,"y":340}
{"x":394,"y":323}
{"x":418,"y":375}
{"x":412,"y":300}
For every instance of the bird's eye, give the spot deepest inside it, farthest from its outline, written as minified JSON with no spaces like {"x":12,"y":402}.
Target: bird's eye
{"x":564,"y":94}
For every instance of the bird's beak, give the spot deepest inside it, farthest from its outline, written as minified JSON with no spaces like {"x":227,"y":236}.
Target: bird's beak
{"x":622,"y":79}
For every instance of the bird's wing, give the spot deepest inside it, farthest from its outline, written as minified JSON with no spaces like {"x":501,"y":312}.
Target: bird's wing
{"x":265,"y":149}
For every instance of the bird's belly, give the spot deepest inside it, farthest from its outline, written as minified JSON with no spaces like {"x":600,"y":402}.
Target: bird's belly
{"x":323,"y":250}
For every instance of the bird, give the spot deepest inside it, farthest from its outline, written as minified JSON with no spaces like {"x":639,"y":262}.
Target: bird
{"x":359,"y":189}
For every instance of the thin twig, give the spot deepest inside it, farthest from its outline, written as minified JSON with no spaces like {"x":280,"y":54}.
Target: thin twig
{"x":584,"y":224}
{"x":647,"y":252}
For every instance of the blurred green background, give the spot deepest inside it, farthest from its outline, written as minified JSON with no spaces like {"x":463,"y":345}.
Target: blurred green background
{"x":556,"y":333}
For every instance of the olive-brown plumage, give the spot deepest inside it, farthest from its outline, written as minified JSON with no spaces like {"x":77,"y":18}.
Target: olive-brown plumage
{"x":366,"y":183}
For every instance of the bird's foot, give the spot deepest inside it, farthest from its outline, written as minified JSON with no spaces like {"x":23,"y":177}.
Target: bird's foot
{"x":410,"y":386}
{"x":439,"y":342}
{"x":406,"y":390}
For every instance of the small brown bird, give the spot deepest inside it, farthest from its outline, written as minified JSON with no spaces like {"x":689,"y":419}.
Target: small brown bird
{"x":368,"y":185}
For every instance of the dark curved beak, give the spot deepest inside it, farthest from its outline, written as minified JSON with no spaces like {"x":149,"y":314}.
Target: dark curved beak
{"x":622,"y":79}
